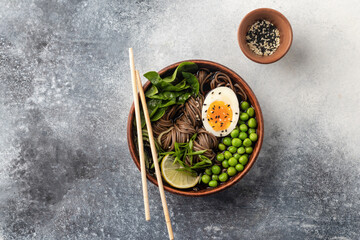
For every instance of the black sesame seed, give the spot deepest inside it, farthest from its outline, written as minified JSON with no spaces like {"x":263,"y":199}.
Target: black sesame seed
{"x":215,"y":121}
{"x":219,"y":93}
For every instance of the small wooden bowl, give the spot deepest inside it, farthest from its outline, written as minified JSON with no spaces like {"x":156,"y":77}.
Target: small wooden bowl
{"x":279,"y":21}
{"x":212,"y":66}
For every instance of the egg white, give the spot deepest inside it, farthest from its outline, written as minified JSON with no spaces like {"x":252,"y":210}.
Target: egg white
{"x":228,"y":96}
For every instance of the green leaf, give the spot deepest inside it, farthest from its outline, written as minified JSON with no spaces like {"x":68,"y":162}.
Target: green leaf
{"x":153,"y":77}
{"x":193,"y":81}
{"x":166,"y":95}
{"x":184,"y":66}
{"x":197,"y":153}
{"x":142,"y":118}
{"x":159,"y":113}
{"x":168,"y":103}
{"x":203,"y":164}
{"x":153,"y":105}
{"x":152,"y":91}
{"x":182,"y":99}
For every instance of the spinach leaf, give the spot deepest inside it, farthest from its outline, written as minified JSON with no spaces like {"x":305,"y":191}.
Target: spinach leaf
{"x":192,"y":80}
{"x":184,"y":66}
{"x":153,"y":105}
{"x":166,"y":95}
{"x":156,"y":80}
{"x":153,"y":77}
{"x":168,"y":103}
{"x":182,"y":99}
{"x":152,"y":91}
{"x":159,"y":113}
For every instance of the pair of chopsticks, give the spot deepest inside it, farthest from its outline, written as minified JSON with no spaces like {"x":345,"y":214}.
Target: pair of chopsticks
{"x":136,"y":83}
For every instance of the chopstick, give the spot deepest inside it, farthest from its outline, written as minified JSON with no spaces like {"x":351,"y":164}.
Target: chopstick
{"x":135,"y":76}
{"x":140,"y":138}
{"x":154,"y":156}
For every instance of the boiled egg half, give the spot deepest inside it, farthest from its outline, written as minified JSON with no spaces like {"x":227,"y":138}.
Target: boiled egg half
{"x":220,"y":111}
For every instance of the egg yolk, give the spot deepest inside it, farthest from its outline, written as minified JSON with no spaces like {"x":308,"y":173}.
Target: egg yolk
{"x":219,"y":115}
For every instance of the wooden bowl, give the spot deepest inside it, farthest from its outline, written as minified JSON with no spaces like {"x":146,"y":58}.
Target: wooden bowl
{"x":279,"y":21}
{"x":212,"y":66}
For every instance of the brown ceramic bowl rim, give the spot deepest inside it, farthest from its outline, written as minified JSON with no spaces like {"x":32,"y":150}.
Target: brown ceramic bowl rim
{"x":245,"y":49}
{"x":253,"y":157}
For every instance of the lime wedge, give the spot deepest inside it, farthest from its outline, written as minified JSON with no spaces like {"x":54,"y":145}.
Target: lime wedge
{"x":174,"y":177}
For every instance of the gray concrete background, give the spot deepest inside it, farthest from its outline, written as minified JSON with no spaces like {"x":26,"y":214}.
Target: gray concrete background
{"x":65,"y":92}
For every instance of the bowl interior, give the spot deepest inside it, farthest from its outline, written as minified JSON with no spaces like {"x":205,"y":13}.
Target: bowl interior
{"x":279,"y":21}
{"x":212,"y":66}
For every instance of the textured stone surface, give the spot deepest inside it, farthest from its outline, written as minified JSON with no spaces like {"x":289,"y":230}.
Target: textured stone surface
{"x":65,"y":170}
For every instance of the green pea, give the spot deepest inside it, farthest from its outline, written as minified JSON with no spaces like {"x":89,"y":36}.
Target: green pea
{"x":244,"y":116}
{"x":249,"y":150}
{"x":247,"y":142}
{"x":215,"y":177}
{"x":234,"y":133}
{"x":243,"y":127}
{"x":233,"y":161}
{"x":244,"y":105}
{"x":243,"y":135}
{"x":225,"y":164}
{"x":227,"y":154}
{"x":227,"y":141}
{"x":253,"y":137}
{"x":232,"y":149}
{"x":243,"y":159}
{"x":241,"y":150}
{"x":237,"y":155}
{"x":205,"y":179}
{"x":221,"y":147}
{"x":223,"y":177}
{"x":208,"y":171}
{"x":236,"y":142}
{"x":231,"y":171}
{"x":239,"y":167}
{"x":250,"y":112}
{"x":252,"y":130}
{"x":220,"y":157}
{"x":252,"y":123}
{"x":216,"y":169}
{"x":213,"y":183}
